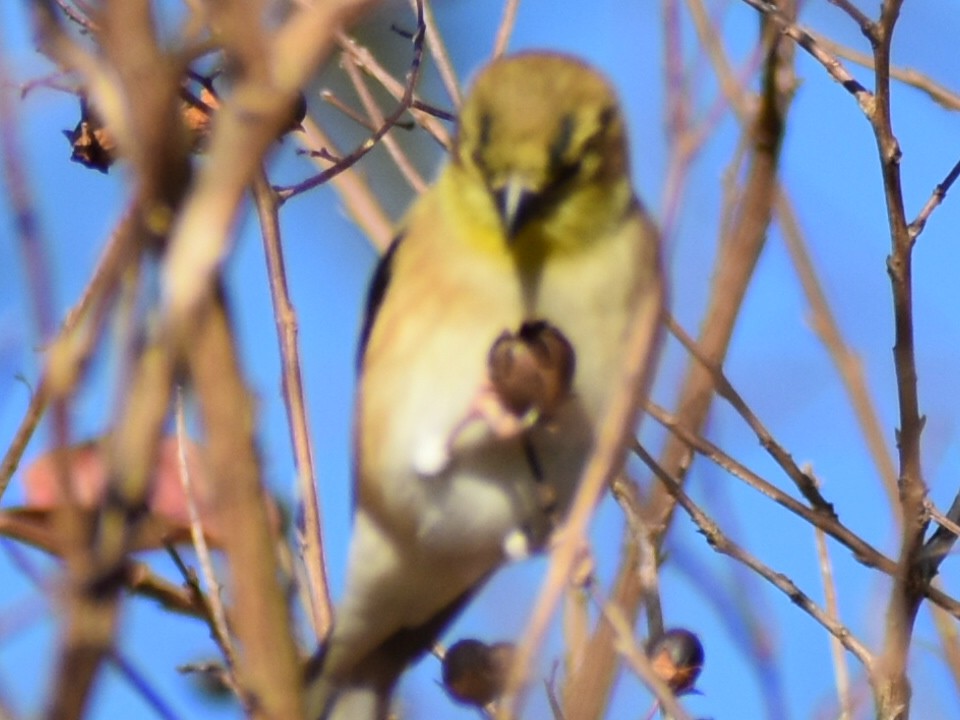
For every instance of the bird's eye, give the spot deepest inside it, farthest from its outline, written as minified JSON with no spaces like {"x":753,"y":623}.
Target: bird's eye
{"x":561,"y":144}
{"x":479,"y":148}
{"x":602,"y":127}
{"x":606,"y":117}
{"x":601,"y":131}
{"x":567,"y":171}
{"x":483,"y":134}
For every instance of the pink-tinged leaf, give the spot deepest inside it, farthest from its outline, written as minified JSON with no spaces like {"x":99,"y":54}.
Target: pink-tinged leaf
{"x":167,"y":518}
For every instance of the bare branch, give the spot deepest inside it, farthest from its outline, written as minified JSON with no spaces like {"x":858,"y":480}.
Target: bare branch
{"x":438,"y":51}
{"x":807,"y":41}
{"x":213,"y":597}
{"x":867,"y":26}
{"x":237,"y":146}
{"x":805,"y":484}
{"x":268,"y":665}
{"x":358,"y":199}
{"x":840,"y":672}
{"x":377,"y":119}
{"x":506,"y":27}
{"x":425,"y":115}
{"x":846,"y":361}
{"x":310,"y":535}
{"x":74,"y":343}
{"x":367,"y":145}
{"x":722,"y":544}
{"x":938,"y":93}
{"x":939,"y":193}
{"x":862,"y":551}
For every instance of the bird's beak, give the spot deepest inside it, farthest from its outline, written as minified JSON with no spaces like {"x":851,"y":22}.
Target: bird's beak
{"x":515,"y":201}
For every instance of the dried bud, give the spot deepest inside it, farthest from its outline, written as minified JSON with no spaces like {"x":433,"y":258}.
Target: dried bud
{"x":677,"y":659}
{"x":532,"y":370}
{"x":475,"y":673}
{"x":93,"y":145}
{"x":297,"y":114}
{"x":197,"y":113}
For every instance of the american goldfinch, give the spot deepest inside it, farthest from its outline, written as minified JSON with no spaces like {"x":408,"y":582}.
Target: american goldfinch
{"x":532,"y":229}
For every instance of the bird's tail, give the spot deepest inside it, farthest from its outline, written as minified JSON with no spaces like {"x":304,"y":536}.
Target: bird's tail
{"x":362,"y":691}
{"x":365,"y":695}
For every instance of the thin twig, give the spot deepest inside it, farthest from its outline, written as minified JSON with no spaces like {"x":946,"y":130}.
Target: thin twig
{"x":805,"y":484}
{"x":310,"y":535}
{"x":949,"y":641}
{"x":192,"y":583}
{"x":26,"y":221}
{"x":52,"y":81}
{"x":269,"y":666}
{"x":938,"y":93}
{"x":862,"y":551}
{"x":141,"y":580}
{"x":505,"y":29}
{"x":329,"y":97}
{"x":377,"y":119}
{"x":75,"y":350}
{"x":943,"y":538}
{"x":81,"y":18}
{"x":625,"y":492}
{"x":438,"y":50}
{"x":840,"y":671}
{"x":634,"y":376}
{"x":151,"y":695}
{"x":848,"y":365}
{"x":945,"y":521}
{"x":358,"y":199}
{"x":804,"y":39}
{"x":891,"y":685}
{"x":425,"y":115}
{"x":413,"y":76}
{"x":722,"y":544}
{"x":433,"y":111}
{"x":589,"y":678}
{"x":214,"y":592}
{"x":638,"y":660}
{"x":867,"y":26}
{"x":678,"y":95}
{"x":733,"y":94}
{"x":939,"y":193}
{"x":549,"y":686}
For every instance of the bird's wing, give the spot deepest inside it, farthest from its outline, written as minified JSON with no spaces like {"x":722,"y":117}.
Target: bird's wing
{"x":376,"y":292}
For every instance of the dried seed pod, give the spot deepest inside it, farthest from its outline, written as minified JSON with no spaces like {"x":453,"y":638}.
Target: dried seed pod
{"x":532,"y":370}
{"x":475,"y":673}
{"x":92,"y":143}
{"x":677,"y":658}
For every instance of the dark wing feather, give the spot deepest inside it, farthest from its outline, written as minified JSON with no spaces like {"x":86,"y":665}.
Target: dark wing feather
{"x":380,"y":668}
{"x":376,"y":292}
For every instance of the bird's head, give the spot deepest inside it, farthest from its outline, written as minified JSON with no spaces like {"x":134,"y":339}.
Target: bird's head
{"x":542,"y":133}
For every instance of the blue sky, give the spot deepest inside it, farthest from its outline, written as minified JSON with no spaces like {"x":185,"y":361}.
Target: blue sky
{"x":830,"y":169}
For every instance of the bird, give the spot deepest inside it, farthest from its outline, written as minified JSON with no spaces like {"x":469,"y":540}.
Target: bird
{"x":532,"y":228}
